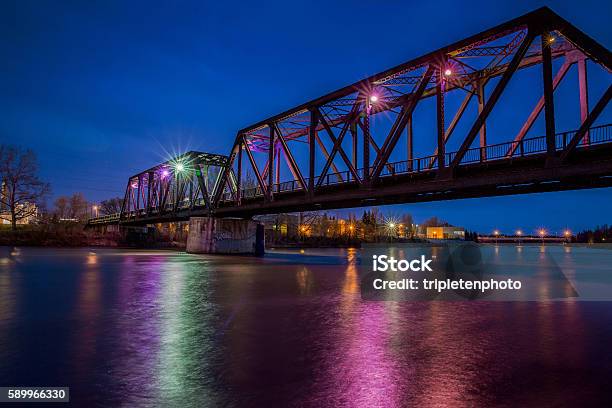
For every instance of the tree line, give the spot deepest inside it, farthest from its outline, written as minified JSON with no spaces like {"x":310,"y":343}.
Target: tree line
{"x":23,"y":194}
{"x":600,"y":234}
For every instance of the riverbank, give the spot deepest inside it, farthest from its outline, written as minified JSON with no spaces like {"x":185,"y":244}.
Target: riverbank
{"x":75,"y":236}
{"x":58,"y":238}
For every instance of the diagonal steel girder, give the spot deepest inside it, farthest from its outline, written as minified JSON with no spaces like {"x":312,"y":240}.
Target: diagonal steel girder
{"x":488,"y":107}
{"x":599,"y":107}
{"x":347,"y":161}
{"x":289,"y":157}
{"x":399,"y":125}
{"x":337,"y":172}
{"x":260,"y":180}
{"x":538,"y":108}
{"x":453,"y":124}
{"x":372,"y":142}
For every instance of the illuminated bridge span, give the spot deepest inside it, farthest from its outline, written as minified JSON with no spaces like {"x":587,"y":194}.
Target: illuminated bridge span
{"x":433,"y":128}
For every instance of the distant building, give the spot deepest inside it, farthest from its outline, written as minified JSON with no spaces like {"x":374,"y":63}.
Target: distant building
{"x":26,"y":207}
{"x":279,"y":225}
{"x":445,"y":233}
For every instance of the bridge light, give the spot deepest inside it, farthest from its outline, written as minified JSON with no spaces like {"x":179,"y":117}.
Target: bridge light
{"x":519,"y":232}
{"x":542,"y":232}
{"x":391,"y":225}
{"x":448,"y":72}
{"x":567,"y":233}
{"x":496,"y":232}
{"x":179,"y":167}
{"x":373,"y":98}
{"x":165,"y":173}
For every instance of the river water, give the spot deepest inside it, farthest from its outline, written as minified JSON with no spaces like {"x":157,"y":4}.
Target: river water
{"x":162,"y":329}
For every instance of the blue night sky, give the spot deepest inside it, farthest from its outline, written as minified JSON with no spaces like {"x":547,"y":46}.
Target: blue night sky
{"x":102,"y":90}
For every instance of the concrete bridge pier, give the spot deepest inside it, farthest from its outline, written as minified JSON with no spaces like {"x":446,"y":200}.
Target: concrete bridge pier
{"x":210,"y":235}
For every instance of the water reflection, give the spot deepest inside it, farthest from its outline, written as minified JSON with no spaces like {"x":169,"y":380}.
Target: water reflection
{"x":157,"y":328}
{"x":8,"y":296}
{"x":304,"y":280}
{"x":187,"y":314}
{"x":88,"y":309}
{"x":350,"y":285}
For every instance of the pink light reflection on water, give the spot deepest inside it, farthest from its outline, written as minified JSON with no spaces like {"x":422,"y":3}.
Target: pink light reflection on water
{"x":360,"y":369}
{"x":140,"y":287}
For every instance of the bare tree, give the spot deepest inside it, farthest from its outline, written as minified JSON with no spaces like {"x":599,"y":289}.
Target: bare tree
{"x":433,"y":222}
{"x":21,"y":189}
{"x":111,"y":206}
{"x":408,"y":222}
{"x":74,"y":207}
{"x":61,"y":207}
{"x":78,"y":206}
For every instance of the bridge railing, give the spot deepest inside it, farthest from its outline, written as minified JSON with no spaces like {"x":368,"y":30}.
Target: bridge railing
{"x":528,"y":146}
{"x":104,"y":219}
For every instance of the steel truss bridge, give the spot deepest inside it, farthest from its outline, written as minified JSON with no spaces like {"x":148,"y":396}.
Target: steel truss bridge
{"x":343,"y":149}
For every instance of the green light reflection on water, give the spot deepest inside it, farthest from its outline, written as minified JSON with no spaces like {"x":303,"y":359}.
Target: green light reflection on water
{"x":187,"y":349}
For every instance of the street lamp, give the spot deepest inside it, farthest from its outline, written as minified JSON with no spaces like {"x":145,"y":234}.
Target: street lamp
{"x":180,"y":167}
{"x":95,"y":209}
{"x":542,"y":233}
{"x":390,"y":227}
{"x":448,"y":72}
{"x":373,"y":98}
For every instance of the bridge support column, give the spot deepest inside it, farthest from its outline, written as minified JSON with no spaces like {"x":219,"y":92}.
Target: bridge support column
{"x":210,"y":235}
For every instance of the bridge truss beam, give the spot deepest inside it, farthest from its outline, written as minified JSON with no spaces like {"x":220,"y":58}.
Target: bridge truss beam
{"x":185,"y":182}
